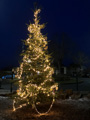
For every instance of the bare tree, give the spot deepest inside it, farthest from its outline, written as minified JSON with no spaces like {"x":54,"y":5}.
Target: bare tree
{"x":61,"y":48}
{"x":81,"y":59}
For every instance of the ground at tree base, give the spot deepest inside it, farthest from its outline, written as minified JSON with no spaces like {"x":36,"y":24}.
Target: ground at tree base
{"x":61,"y":110}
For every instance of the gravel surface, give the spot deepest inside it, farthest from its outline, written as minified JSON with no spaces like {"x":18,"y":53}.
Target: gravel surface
{"x":62,"y":110}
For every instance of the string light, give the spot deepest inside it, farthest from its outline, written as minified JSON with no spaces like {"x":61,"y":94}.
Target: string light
{"x":48,"y":109}
{"x":35,"y":71}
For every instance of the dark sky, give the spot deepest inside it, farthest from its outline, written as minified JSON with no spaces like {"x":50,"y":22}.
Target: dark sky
{"x":70,"y":16}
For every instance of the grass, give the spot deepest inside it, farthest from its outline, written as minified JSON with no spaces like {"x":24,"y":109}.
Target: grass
{"x":67,"y":80}
{"x":70,"y":81}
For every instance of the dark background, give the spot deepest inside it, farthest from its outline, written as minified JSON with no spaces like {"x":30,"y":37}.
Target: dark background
{"x":69,"y":16}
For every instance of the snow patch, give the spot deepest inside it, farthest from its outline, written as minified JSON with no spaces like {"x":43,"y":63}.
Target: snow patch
{"x":82,"y":103}
{"x":84,"y":99}
{"x":2,"y":97}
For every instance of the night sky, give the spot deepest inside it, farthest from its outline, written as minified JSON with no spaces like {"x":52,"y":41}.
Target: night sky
{"x":70,"y":16}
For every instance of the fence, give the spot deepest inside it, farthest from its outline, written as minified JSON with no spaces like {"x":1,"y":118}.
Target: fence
{"x":8,"y":86}
{"x":83,"y":86}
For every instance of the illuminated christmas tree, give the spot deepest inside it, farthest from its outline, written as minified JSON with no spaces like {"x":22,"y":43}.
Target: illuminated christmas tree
{"x":35,"y":71}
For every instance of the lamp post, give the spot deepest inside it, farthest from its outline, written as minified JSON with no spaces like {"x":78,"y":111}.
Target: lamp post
{"x":0,"y":82}
{"x":76,"y":77}
{"x":77,"y":81}
{"x":11,"y":89}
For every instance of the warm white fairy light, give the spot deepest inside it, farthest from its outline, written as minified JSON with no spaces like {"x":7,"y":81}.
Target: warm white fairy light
{"x":48,"y":109}
{"x":35,"y":62}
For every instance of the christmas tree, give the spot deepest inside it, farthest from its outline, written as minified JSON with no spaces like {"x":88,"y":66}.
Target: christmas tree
{"x":35,"y":71}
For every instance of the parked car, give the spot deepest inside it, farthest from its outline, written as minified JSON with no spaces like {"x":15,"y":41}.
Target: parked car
{"x":8,"y":77}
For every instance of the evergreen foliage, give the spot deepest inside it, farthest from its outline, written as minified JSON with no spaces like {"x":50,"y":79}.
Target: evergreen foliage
{"x":35,"y":71}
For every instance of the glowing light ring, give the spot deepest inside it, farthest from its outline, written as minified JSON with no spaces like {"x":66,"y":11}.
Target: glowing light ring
{"x":47,"y":110}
